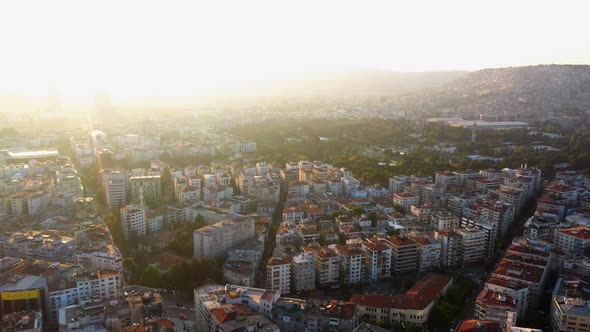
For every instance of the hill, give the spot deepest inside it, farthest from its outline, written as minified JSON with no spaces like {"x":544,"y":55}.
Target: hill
{"x":533,"y":92}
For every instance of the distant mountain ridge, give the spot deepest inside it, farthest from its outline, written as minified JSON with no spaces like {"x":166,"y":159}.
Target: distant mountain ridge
{"x":530,"y":91}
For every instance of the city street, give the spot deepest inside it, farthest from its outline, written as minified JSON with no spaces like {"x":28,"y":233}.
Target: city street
{"x":175,"y":312}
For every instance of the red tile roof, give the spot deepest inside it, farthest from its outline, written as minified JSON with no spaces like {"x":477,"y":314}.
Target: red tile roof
{"x":473,"y":325}
{"x":418,"y":297}
{"x":397,"y":241}
{"x":496,"y":300}
{"x":560,"y":188}
{"x":279,"y":261}
{"x":519,"y":271}
{"x":222,"y":315}
{"x":405,"y":195}
{"x":340,"y":310}
{"x":581,"y":232}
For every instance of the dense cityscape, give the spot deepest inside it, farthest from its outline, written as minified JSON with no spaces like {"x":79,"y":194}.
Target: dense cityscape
{"x":294,"y":166}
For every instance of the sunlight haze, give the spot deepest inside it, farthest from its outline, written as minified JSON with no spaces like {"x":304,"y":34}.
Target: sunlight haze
{"x":138,"y":49}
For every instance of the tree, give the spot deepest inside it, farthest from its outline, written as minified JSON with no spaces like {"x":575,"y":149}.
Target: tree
{"x":442,"y":315}
{"x":132,"y":270}
{"x":373,"y":217}
{"x":152,"y":277}
{"x":336,"y":214}
{"x":342,"y":238}
{"x":182,"y":239}
{"x":357,"y":211}
{"x":399,"y":208}
{"x":323,"y":241}
{"x":200,"y":221}
{"x":113,"y":221}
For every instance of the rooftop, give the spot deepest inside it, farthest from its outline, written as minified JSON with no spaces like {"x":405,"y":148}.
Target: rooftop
{"x":418,"y":297}
{"x":473,"y":325}
{"x":581,"y":232}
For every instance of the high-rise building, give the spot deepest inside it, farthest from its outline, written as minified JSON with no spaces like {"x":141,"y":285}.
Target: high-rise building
{"x":114,"y":185}
{"x":303,"y":272}
{"x":450,"y":247}
{"x":133,"y":220}
{"x":472,"y":245}
{"x":377,"y":259}
{"x":404,"y":254}
{"x":352,"y":256}
{"x":151,"y":184}
{"x":327,"y":264}
{"x":278,"y":274}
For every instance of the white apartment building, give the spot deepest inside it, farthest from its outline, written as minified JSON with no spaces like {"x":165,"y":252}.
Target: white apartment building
{"x":352,"y":257}
{"x":85,"y":285}
{"x":429,"y":253}
{"x":114,"y":185}
{"x":398,"y":183}
{"x":444,"y":179}
{"x":450,"y":247}
{"x":303,"y":272}
{"x":327,"y":264}
{"x":133,"y":220}
{"x":406,"y":200}
{"x":278,"y":275}
{"x":216,"y":239}
{"x":444,"y":220}
{"x":472,"y":245}
{"x":574,"y":241}
{"x":109,"y":260}
{"x":378,"y":256}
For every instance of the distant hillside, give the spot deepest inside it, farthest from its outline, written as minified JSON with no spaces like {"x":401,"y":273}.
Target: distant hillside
{"x":531,"y":91}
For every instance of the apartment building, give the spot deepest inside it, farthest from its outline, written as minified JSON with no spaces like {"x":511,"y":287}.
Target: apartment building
{"x":444,"y":220}
{"x":404,"y":253}
{"x":216,"y":239}
{"x":278,"y":274}
{"x":114,"y":185}
{"x":406,"y":200}
{"x":429,"y":253}
{"x":472,"y":248}
{"x":570,"y":307}
{"x":574,"y":241}
{"x":303,"y":272}
{"x":450,"y":247}
{"x":378,"y":258}
{"x":133,"y":219}
{"x":444,"y":179}
{"x":351,"y":256}
{"x":151,"y":184}
{"x":499,"y":214}
{"x":327,"y":264}
{"x":111,"y":259}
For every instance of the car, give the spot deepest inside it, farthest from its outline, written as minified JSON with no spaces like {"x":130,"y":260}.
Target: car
{"x":183,"y":317}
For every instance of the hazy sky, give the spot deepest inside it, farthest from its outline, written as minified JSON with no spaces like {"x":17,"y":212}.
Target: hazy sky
{"x":134,"y":49}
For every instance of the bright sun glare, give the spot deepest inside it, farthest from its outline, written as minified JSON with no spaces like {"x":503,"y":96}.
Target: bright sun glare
{"x":134,"y":49}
